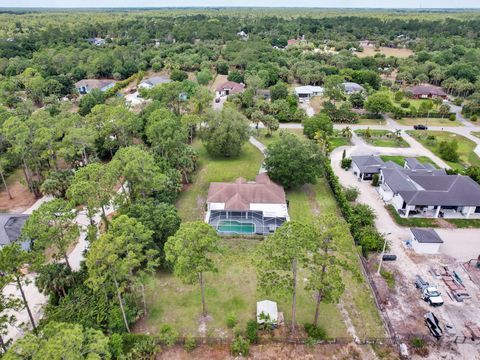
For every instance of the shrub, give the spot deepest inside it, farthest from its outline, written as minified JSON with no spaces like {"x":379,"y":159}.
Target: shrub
{"x":375,"y":180}
{"x":178,"y":75}
{"x":448,"y":150}
{"x":399,"y":96}
{"x":346,"y":163}
{"x":370,"y":239}
{"x":168,"y":335}
{"x":389,"y":278}
{"x":417,"y":343}
{"x":222,"y":68}
{"x":190,"y":344}
{"x":362,"y":215}
{"x":315,"y":332}
{"x":139,"y":346}
{"x":231,"y":320}
{"x":351,"y":193}
{"x":405,"y":104}
{"x":252,"y":331}
{"x":473,"y":118}
{"x":235,"y":76}
{"x":239,"y":347}
{"x":452,"y":117}
{"x":458,"y":101}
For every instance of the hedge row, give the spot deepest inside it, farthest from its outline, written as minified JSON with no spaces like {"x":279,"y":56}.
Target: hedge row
{"x":359,"y":233}
{"x":124,"y":83}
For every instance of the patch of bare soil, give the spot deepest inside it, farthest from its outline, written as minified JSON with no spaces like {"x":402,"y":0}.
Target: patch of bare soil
{"x":395,"y":52}
{"x":22,"y":198}
{"x":445,"y":224}
{"x":270,"y":352}
{"x":202,"y":324}
{"x":219,"y":79}
{"x":311,"y":199}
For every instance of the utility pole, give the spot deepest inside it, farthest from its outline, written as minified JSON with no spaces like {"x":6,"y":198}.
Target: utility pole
{"x":383,"y":252}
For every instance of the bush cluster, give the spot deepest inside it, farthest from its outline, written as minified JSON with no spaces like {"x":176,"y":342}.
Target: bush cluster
{"x":315,"y":332}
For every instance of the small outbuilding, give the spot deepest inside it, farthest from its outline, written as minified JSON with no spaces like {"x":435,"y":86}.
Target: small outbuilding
{"x":268,"y":308}
{"x":425,"y":241}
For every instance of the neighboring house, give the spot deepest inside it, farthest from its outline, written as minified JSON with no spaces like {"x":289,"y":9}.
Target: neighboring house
{"x":97,"y":41}
{"x":364,"y":167}
{"x":247,"y":207}
{"x":243,"y":35}
{"x":148,"y":83}
{"x":427,"y":91}
{"x":414,"y":164}
{"x":229,"y":88}
{"x":264,"y":93}
{"x":10,"y":228}
{"x":425,"y":241}
{"x":429,"y":192}
{"x":86,"y":85}
{"x":351,"y":87}
{"x":306,"y":92}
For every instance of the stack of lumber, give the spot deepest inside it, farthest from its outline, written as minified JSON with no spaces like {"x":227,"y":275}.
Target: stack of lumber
{"x":472,"y":329}
{"x":455,"y":285}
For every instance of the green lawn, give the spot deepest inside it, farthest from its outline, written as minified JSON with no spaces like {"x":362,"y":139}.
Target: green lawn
{"x":476,"y":133}
{"x":191,"y":201}
{"x":428,"y":122}
{"x":337,"y":140}
{"x":400,"y":160}
{"x":261,"y":135}
{"x":233,"y":288}
{"x":370,"y":122}
{"x":382,"y":138}
{"x":431,"y":139}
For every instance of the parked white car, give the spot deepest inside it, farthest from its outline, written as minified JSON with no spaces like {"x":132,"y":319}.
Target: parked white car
{"x":431,"y":295}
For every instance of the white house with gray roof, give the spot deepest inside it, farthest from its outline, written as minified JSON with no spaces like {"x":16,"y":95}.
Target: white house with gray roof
{"x":364,"y":167}
{"x":424,"y":191}
{"x":425,"y":241}
{"x":10,"y":229}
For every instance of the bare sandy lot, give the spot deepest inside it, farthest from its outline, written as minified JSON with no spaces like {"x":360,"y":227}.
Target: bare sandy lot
{"x":370,"y":51}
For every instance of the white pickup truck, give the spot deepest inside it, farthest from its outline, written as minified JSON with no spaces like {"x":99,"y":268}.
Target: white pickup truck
{"x":431,"y":295}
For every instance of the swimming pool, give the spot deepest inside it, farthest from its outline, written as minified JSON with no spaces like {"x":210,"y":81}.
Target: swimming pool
{"x":237,"y":227}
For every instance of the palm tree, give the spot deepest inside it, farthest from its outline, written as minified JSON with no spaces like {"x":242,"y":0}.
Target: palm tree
{"x":397,"y":133}
{"x":55,"y":278}
{"x":347,"y":132}
{"x":321,"y":138}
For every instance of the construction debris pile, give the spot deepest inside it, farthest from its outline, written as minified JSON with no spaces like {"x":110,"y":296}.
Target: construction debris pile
{"x":453,"y":282}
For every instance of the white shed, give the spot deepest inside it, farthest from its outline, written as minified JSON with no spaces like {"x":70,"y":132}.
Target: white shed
{"x":269,"y":308}
{"x":425,"y":241}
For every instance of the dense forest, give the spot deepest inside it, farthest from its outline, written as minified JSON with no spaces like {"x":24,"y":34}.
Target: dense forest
{"x":86,"y":150}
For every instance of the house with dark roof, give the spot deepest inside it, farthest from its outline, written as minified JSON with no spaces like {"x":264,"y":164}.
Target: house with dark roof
{"x":416,"y":191}
{"x":229,"y":88}
{"x":425,"y":241}
{"x":246,"y":207}
{"x":427,"y":91}
{"x":364,"y":167}
{"x":10,"y":228}
{"x":86,"y":85}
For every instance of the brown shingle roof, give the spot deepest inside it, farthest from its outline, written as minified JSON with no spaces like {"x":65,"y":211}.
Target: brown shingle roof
{"x":428,"y":90}
{"x":232,"y":86}
{"x":238,"y":195}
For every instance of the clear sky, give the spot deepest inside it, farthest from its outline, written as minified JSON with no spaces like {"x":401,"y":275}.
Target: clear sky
{"x":246,"y":3}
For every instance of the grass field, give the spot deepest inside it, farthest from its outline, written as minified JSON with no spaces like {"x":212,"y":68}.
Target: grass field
{"x":382,"y":138}
{"x":233,"y":288}
{"x":428,"y":122}
{"x":465,"y":146}
{"x":476,"y":133}
{"x":267,"y":140}
{"x":400,"y":160}
{"x":370,"y":122}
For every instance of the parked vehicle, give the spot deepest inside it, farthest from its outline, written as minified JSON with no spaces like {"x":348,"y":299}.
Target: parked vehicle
{"x":420,"y":283}
{"x":420,"y":127}
{"x":389,"y":257}
{"x":431,"y":295}
{"x":217,"y":100}
{"x":431,"y":321}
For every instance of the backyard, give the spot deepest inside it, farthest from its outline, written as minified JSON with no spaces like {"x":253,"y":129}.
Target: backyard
{"x":400,"y":160}
{"x":233,"y":289}
{"x":382,"y":138}
{"x":432,"y":139}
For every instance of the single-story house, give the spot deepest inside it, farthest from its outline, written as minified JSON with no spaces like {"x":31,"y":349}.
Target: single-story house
{"x":10,"y":228}
{"x":425,"y":241}
{"x":150,"y":82}
{"x":426,"y":91}
{"x":364,"y":167}
{"x":351,"y":87}
{"x":242,"y":35}
{"x":86,"y":85}
{"x":429,"y":192}
{"x":269,"y":309}
{"x":246,"y":207}
{"x":97,"y":41}
{"x":306,"y":92}
{"x":229,"y":88}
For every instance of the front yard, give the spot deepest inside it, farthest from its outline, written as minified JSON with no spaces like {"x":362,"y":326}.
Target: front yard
{"x":382,"y":138}
{"x":432,"y":139}
{"x":429,"y":122}
{"x":400,"y":160}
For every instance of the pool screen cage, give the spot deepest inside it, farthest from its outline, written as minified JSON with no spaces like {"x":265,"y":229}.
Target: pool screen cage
{"x":263,"y":224}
